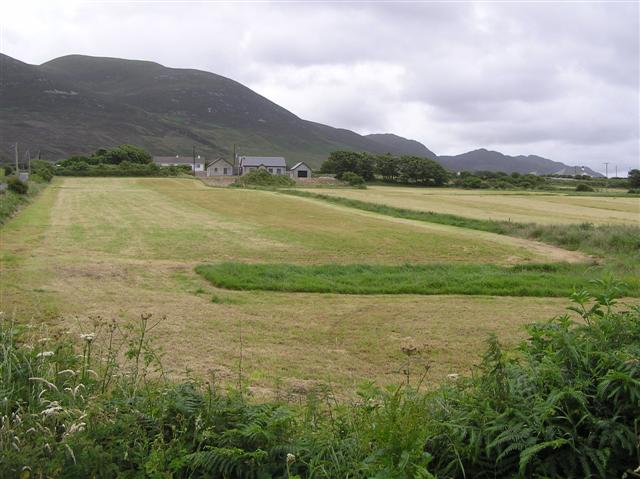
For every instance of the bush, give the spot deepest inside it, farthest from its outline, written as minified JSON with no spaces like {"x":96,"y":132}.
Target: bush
{"x":263,"y":178}
{"x":473,"y":182}
{"x":634,"y":191}
{"x":584,"y":187}
{"x":43,"y":169}
{"x":352,"y":178}
{"x":17,"y":186}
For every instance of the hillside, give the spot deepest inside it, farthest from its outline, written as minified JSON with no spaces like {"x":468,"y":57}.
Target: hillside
{"x":486,"y":160}
{"x":400,"y":145}
{"x":75,"y":104}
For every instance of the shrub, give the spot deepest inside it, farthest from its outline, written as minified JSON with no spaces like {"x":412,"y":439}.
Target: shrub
{"x":17,"y":186}
{"x":352,"y":178}
{"x":263,"y":178}
{"x":43,"y":169}
{"x":634,"y":191}
{"x":473,"y":182}
{"x":583,"y":187}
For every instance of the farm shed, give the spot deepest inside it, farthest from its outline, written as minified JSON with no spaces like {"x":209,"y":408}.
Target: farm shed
{"x":181,"y":160}
{"x":300,"y":170}
{"x":276,"y":165}
{"x":220,"y":167}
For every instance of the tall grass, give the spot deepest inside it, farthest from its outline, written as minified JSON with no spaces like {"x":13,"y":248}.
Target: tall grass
{"x":566,"y":403}
{"x":559,"y":279}
{"x":601,"y":240}
{"x":11,"y":202}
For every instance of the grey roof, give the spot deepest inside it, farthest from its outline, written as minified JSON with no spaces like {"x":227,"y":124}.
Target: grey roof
{"x":299,"y":164}
{"x":272,"y":161}
{"x":220,"y":159}
{"x":181,"y":160}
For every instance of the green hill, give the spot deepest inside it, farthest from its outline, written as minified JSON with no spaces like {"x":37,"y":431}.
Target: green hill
{"x":75,"y":104}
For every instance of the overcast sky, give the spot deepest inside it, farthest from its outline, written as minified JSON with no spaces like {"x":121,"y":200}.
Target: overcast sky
{"x":560,"y":80}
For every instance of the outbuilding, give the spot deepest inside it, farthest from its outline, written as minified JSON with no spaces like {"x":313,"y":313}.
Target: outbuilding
{"x":220,"y":167}
{"x":300,"y":170}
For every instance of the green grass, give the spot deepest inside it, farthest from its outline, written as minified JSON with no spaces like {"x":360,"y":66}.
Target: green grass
{"x":11,"y":202}
{"x":546,"y":280}
{"x":602,"y":240}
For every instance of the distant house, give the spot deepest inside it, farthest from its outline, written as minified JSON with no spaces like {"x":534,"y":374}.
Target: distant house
{"x":181,"y":160}
{"x":220,"y":167}
{"x":300,"y":170}
{"x":276,"y":165}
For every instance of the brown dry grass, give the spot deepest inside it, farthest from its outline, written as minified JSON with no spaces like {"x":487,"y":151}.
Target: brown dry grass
{"x":514,"y":206}
{"x":119,"y":248}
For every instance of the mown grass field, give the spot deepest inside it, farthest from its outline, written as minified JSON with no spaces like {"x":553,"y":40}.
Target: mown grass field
{"x":90,"y":247}
{"x":524,"y":207}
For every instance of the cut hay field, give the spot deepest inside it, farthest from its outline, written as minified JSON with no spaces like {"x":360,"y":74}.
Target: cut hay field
{"x":523,"y":207}
{"x":117,"y":248}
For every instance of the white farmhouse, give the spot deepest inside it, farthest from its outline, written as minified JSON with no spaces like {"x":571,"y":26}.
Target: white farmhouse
{"x":300,"y":170}
{"x":178,"y":160}
{"x":276,"y":165}
{"x":220,"y":167}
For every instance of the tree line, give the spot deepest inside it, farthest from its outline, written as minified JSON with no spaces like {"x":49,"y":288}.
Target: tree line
{"x":123,"y":160}
{"x":394,"y":169}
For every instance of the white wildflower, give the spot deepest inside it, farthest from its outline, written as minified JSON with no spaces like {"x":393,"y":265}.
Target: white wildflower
{"x":44,"y":381}
{"x":53,"y":409}
{"x":88,"y":337}
{"x":44,"y":340}
{"x":45,"y":354}
{"x":77,"y":427}
{"x":291,"y":458}
{"x":453,"y":376}
{"x":67,"y":371}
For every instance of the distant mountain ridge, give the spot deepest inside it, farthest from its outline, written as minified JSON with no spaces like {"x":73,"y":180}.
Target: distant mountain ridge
{"x":486,"y":160}
{"x":76,"y":104}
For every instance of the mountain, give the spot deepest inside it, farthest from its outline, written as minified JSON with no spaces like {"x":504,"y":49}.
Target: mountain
{"x":486,"y":160}
{"x":76,"y":104}
{"x":401,"y":146}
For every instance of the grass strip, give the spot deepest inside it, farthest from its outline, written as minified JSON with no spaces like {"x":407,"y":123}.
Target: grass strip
{"x":542,"y":280}
{"x":601,"y":240}
{"x":11,"y":203}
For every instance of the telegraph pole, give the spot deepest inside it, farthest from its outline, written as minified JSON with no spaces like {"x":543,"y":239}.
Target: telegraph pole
{"x":194,"y":160}
{"x":606,"y":172}
{"x":17,"y":166}
{"x":236,"y":167}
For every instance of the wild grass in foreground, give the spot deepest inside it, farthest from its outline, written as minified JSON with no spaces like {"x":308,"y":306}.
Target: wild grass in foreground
{"x":544,"y":280}
{"x":566,"y":403}
{"x":11,"y":202}
{"x":603,"y":240}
